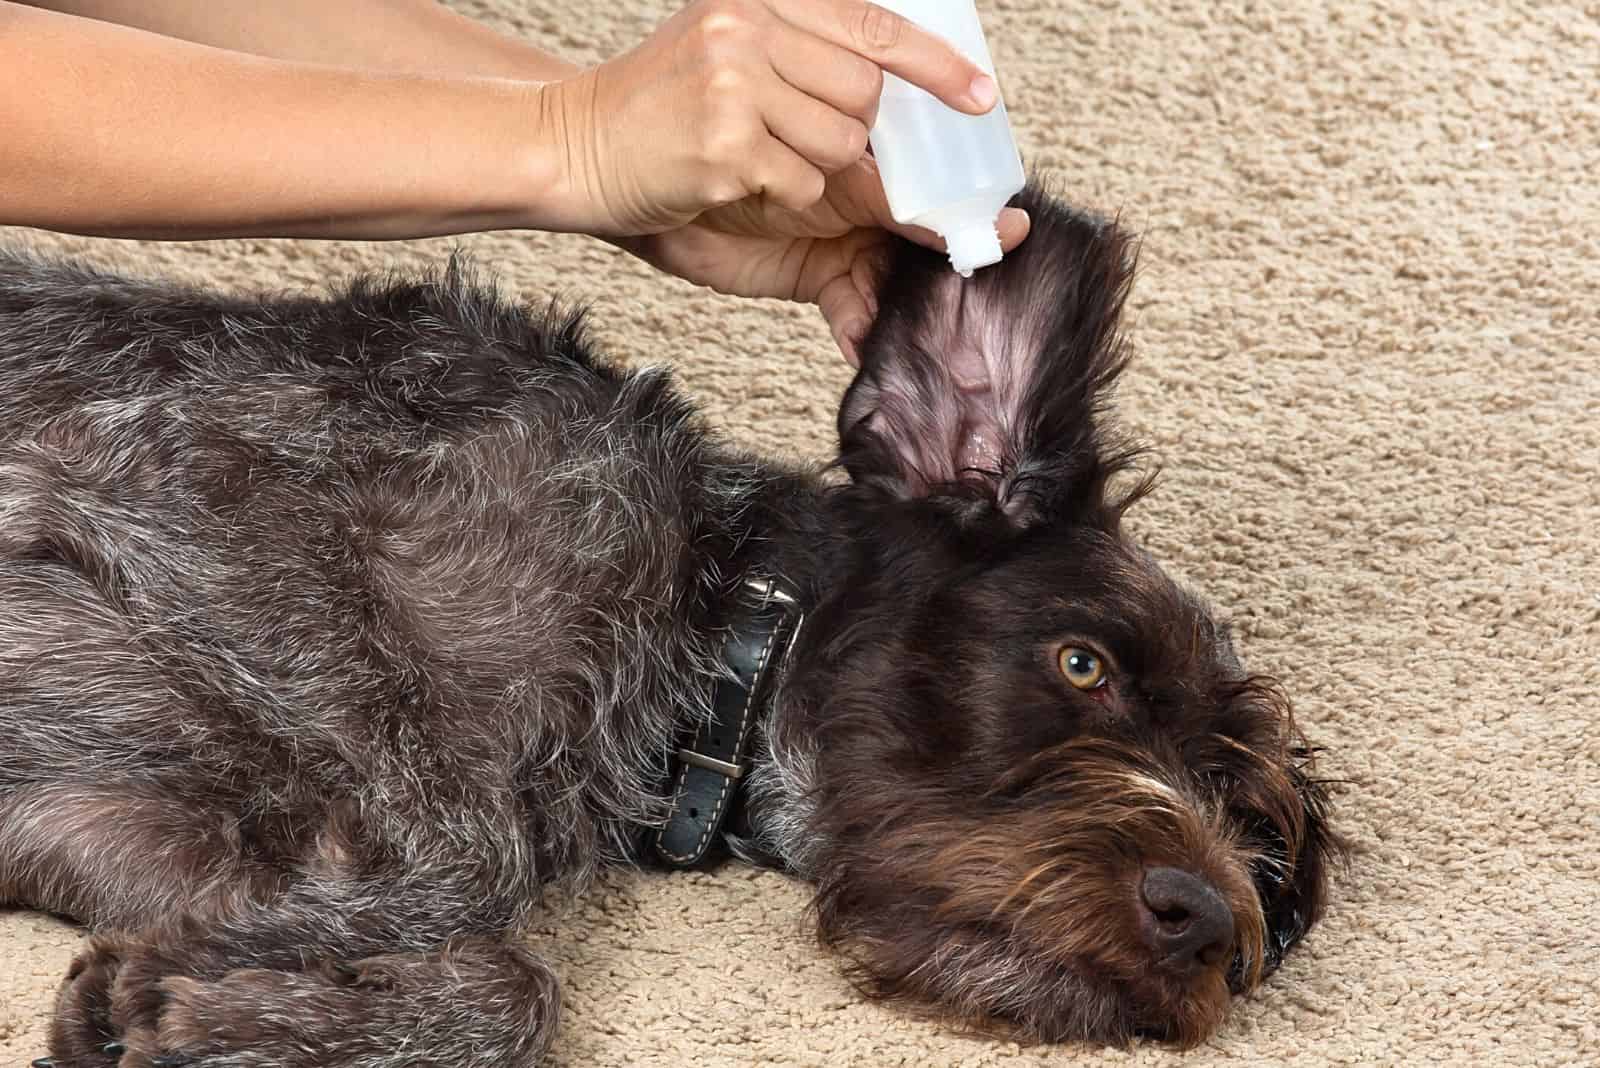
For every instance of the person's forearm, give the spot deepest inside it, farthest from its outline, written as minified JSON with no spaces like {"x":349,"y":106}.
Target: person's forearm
{"x":414,"y":36}
{"x":111,"y":131}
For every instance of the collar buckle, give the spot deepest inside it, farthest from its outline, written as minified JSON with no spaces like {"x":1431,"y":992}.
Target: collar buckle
{"x":711,"y":762}
{"x":721,"y":767}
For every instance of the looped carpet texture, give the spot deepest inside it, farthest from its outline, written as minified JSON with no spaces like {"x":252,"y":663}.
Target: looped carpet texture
{"x":1368,"y":356}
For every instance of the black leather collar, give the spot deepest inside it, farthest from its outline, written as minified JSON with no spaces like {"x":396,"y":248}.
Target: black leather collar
{"x":707,"y":771}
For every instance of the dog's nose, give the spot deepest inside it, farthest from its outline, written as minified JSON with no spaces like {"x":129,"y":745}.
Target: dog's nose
{"x":1185,"y":921}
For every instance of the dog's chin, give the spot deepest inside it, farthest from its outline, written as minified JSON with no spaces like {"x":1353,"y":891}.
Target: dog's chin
{"x":1178,"y":1012}
{"x":979,"y":988}
{"x":1057,"y":967}
{"x":1181,"y":1013}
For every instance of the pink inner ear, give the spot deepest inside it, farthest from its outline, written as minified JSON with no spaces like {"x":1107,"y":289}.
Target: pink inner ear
{"x":965,"y":379}
{"x":994,"y":381}
{"x":978,"y":441}
{"x":952,"y":395}
{"x":989,"y":342}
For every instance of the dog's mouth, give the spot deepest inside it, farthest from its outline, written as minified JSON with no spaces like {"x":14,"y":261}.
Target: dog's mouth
{"x":1095,"y":896}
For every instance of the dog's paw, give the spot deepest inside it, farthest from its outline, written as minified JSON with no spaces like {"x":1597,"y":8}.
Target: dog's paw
{"x":171,"y":999}
{"x":82,"y":1033}
{"x":110,"y":1011}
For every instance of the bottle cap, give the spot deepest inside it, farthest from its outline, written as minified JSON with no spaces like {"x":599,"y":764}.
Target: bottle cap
{"x":973,"y":245}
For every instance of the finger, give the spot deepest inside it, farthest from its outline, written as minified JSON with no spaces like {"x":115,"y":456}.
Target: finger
{"x":897,"y":45}
{"x":1014,"y":225}
{"x":866,"y":274}
{"x":784,"y":177}
{"x":847,"y":316}
{"x":828,"y":139}
{"x":836,"y":76}
{"x":856,"y":193}
{"x":849,"y":270}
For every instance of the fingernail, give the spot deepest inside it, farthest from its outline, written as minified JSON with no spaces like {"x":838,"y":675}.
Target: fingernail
{"x":983,"y":92}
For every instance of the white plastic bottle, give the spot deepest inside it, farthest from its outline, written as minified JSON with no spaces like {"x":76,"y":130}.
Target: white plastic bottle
{"x":941,"y":168}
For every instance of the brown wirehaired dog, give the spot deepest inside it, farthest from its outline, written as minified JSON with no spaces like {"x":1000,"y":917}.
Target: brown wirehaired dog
{"x":334,"y":631}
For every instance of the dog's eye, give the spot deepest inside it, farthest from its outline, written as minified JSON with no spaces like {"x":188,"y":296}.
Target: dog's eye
{"x":1082,"y":668}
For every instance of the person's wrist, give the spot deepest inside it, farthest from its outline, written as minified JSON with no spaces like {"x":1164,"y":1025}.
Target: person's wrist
{"x":475,"y":157}
{"x":558,"y":158}
{"x":510,"y":156}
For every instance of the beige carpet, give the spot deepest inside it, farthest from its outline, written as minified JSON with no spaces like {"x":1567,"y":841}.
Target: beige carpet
{"x":1370,"y":356}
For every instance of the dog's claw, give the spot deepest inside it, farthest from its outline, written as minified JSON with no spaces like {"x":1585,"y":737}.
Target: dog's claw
{"x":113,"y":1049}
{"x":171,"y":1060}
{"x":43,"y":1062}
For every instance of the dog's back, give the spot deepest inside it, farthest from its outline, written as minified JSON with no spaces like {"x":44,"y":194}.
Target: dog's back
{"x":268,"y":553}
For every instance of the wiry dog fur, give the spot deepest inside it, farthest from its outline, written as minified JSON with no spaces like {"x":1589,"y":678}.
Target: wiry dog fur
{"x":332,"y":631}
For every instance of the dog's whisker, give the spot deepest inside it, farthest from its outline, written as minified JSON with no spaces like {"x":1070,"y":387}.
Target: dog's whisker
{"x":341,"y":634}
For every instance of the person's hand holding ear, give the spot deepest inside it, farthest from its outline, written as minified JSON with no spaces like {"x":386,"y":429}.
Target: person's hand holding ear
{"x":829,"y":254}
{"x":730,"y":147}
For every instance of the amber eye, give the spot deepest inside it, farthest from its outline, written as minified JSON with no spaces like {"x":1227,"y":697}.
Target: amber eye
{"x":1082,"y":668}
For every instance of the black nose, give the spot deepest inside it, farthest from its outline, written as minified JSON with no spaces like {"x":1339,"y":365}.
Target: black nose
{"x":1184,"y":919}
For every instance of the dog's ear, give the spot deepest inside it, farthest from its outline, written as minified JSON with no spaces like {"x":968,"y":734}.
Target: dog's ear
{"x":993,"y":387}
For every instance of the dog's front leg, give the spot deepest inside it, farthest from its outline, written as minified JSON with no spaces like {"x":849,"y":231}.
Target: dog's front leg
{"x":352,"y":965}
{"x":177,"y":995}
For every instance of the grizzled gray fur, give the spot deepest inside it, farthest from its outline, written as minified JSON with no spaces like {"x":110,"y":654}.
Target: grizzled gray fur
{"x":335,"y":629}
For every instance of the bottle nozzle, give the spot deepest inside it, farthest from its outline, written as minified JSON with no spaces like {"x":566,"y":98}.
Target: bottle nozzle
{"x":973,"y":245}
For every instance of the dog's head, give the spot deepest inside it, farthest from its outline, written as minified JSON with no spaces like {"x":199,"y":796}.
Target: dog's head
{"x":1028,"y":773}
